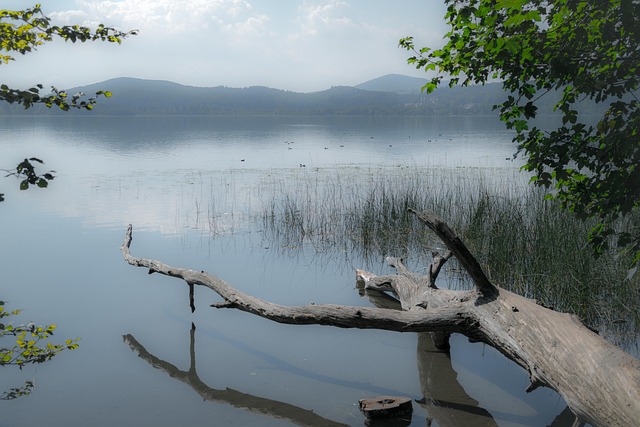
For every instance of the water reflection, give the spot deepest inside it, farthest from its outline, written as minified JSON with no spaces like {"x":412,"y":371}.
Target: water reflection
{"x":167,"y":173}
{"x":444,"y":399}
{"x":256,"y":404}
{"x":182,"y":177}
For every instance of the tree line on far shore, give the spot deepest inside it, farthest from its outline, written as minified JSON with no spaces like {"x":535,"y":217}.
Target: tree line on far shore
{"x":152,"y":97}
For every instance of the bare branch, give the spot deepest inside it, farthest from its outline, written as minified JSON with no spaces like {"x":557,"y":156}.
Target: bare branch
{"x":447,"y":319}
{"x":436,"y":266}
{"x":458,"y":249}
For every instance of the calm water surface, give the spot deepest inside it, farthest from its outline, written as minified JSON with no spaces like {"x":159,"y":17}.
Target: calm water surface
{"x":191,"y":187}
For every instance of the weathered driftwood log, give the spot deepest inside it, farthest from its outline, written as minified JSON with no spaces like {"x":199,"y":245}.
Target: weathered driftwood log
{"x":599,"y":382}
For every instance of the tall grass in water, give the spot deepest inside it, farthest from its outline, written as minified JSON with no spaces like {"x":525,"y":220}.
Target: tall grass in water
{"x":525,"y":243}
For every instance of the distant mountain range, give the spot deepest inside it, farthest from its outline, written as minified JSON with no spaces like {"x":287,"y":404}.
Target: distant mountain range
{"x":394,"y":83}
{"x":387,"y":95}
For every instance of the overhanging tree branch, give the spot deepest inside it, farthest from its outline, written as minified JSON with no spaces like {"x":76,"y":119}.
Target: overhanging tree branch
{"x":23,"y":31}
{"x":582,"y":51}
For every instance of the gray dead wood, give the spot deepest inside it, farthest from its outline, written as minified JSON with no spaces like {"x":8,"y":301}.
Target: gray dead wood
{"x":599,"y":382}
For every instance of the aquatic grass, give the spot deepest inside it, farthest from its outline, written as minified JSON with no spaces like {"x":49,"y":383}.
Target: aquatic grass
{"x":525,"y":243}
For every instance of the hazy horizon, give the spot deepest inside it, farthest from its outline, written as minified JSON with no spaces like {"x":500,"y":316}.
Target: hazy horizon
{"x":301,"y":46}
{"x":400,"y":76}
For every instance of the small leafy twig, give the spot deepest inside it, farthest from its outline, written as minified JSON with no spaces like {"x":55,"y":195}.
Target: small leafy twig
{"x":28,"y":348}
{"x":27,"y":170}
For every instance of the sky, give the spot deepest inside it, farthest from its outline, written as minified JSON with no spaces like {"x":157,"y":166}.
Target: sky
{"x":302,"y":46}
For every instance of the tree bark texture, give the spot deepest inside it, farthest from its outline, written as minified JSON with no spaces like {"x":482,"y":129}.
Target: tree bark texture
{"x":599,"y":382}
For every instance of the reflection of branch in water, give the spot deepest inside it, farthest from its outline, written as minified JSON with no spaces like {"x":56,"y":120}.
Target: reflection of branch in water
{"x":444,"y":398}
{"x":260,"y":405}
{"x":289,"y":368}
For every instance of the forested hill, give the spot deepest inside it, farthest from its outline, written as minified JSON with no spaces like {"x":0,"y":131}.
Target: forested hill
{"x":387,"y":95}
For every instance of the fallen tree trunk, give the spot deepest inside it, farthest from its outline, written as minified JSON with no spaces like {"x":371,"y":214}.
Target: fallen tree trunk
{"x":599,"y":382}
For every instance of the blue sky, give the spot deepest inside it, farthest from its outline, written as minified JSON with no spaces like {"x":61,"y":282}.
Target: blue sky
{"x":304,"y":45}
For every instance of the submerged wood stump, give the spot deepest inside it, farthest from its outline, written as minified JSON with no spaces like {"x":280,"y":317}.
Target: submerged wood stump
{"x":385,"y":407}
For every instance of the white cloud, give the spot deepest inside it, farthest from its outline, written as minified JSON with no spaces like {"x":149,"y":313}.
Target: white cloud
{"x":171,"y":16}
{"x":297,"y":45}
{"x":319,"y":17}
{"x":254,"y":26}
{"x":68,"y":17}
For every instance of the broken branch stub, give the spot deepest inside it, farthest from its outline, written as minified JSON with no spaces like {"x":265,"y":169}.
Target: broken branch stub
{"x":459,"y":250}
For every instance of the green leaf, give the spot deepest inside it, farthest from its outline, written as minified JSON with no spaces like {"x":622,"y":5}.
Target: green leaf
{"x":429,"y":87}
{"x":569,"y":51}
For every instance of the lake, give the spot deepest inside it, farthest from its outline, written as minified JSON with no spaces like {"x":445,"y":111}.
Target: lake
{"x":193,"y":188}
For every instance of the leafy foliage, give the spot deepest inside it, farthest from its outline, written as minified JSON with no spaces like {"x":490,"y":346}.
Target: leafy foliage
{"x":582,"y":50}
{"x":23,"y":31}
{"x":27,"y":172}
{"x":28,"y":347}
{"x":15,"y":392}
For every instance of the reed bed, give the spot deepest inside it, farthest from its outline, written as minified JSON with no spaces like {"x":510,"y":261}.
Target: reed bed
{"x":525,"y":243}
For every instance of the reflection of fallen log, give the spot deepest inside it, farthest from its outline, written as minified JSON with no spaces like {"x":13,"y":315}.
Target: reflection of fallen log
{"x":444,"y":399}
{"x":599,"y":382}
{"x":259,"y":405}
